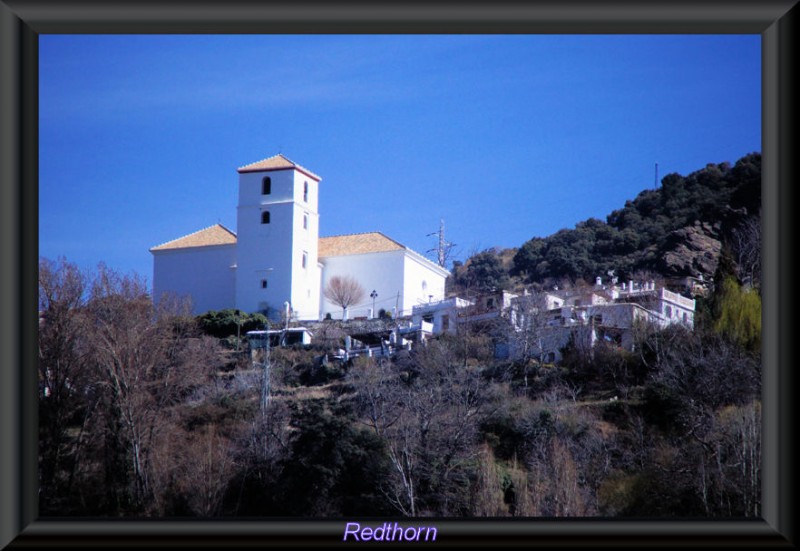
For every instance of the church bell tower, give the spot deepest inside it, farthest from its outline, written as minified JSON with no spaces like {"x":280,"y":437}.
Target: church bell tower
{"x":277,"y":239}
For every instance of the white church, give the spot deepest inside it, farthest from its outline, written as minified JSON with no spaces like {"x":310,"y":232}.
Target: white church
{"x":276,"y":256}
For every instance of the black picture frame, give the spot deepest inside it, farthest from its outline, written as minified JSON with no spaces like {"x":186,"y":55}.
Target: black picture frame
{"x":21,"y":21}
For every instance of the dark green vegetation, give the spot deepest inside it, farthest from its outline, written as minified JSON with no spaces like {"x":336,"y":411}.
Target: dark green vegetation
{"x":719,"y":202}
{"x":226,"y":323}
{"x":148,"y":411}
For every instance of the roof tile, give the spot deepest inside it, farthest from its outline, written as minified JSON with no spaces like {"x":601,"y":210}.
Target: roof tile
{"x":276,"y":162}
{"x":212,"y":235}
{"x":357,"y":243}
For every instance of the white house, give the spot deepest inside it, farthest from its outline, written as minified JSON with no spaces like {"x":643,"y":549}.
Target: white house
{"x":276,"y":255}
{"x":544,"y":323}
{"x":603,"y":313}
{"x":443,"y":315}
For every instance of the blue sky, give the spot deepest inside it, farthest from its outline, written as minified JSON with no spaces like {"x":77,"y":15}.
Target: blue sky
{"x":504,"y":137}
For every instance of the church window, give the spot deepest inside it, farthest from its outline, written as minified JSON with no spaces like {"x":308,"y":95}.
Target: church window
{"x":305,"y":259}
{"x":265,"y":217}
{"x":668,"y":311}
{"x":305,"y":192}
{"x":266,"y":186}
{"x":305,"y":221}
{"x":263,"y":283}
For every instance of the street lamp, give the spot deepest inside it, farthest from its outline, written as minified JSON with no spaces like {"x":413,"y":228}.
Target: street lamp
{"x":374,"y":295}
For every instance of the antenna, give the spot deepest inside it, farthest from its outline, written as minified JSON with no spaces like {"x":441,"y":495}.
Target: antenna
{"x":655,"y":183}
{"x":443,"y":247}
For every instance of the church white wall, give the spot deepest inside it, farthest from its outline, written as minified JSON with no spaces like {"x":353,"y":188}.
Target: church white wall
{"x":264,"y":253}
{"x":203,"y":273}
{"x":381,"y":272}
{"x":306,"y":282}
{"x":264,"y":250}
{"x":423,"y":284}
{"x":300,"y":180}
{"x":398,"y":277}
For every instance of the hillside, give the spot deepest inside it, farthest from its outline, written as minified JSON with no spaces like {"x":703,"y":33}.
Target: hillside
{"x":675,"y":231}
{"x":147,"y":411}
{"x":143,"y":415}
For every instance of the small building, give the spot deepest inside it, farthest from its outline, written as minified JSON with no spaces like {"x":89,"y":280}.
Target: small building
{"x":280,"y":337}
{"x":443,"y":315}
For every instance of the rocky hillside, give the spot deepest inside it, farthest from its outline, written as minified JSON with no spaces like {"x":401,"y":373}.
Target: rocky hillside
{"x":690,"y":251}
{"x":675,"y":231}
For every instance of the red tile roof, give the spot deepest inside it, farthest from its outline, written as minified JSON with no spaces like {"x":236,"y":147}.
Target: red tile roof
{"x":212,"y":235}
{"x":276,"y":162}
{"x":357,"y":243}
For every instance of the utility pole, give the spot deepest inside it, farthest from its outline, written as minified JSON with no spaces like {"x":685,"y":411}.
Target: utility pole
{"x":238,"y":328}
{"x":443,"y":246}
{"x":441,"y":254}
{"x":265,"y":390}
{"x":287,"y":308}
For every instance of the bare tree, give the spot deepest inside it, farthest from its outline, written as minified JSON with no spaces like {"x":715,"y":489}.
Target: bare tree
{"x":747,"y":247}
{"x":384,"y":410}
{"x":488,"y":493}
{"x":127,"y":351}
{"x":737,"y":458}
{"x":429,"y":422}
{"x":63,"y":375}
{"x":208,"y":466}
{"x":145,"y":364}
{"x":344,"y":291}
{"x":567,"y":495}
{"x":528,"y":330}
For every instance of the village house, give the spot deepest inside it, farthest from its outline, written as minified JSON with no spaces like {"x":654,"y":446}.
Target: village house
{"x":277,"y":257}
{"x":545,"y":324}
{"x":542,"y":324}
